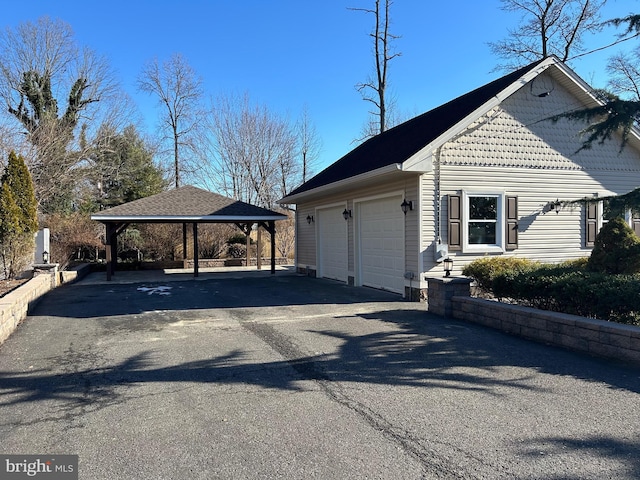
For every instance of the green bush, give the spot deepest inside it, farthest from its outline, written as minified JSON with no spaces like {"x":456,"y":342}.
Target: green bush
{"x":484,"y":271}
{"x":576,"y":263}
{"x":567,"y":287}
{"x":237,"y":238}
{"x":616,"y":250}
{"x":236,"y":250}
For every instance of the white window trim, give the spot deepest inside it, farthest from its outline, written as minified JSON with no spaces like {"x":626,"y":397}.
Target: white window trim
{"x":498,"y":247}
{"x":628,"y":216}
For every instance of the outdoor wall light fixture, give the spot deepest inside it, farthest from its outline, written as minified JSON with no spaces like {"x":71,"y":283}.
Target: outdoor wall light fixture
{"x":406,"y":206}
{"x":346,"y":214}
{"x":45,"y":257}
{"x":555,"y":205}
{"x":448,"y":266}
{"x":310,"y":219}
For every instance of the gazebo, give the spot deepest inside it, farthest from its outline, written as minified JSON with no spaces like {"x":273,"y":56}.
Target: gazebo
{"x":184,"y":205}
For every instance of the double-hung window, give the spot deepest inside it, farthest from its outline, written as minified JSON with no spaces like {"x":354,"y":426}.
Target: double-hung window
{"x":483,"y":215}
{"x":482,"y":222}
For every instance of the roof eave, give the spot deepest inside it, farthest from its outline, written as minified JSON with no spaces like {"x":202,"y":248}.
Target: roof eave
{"x":355,"y":180}
{"x":186,"y":218}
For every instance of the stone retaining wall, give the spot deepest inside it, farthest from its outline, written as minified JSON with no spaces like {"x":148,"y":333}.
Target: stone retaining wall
{"x":450,"y":297}
{"x":15,"y":305}
{"x":220,"y":262}
{"x":74,"y":274}
{"x":595,"y":337}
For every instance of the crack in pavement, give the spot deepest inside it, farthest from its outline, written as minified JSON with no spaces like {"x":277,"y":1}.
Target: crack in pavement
{"x":432,"y":462}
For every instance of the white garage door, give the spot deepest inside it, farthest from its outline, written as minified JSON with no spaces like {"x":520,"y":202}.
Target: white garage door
{"x":381,"y":244}
{"x":332,"y":243}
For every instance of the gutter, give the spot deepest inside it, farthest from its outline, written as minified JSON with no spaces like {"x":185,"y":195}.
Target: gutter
{"x":357,"y":179}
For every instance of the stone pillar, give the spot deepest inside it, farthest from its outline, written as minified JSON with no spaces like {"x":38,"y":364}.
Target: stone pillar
{"x":441,"y":291}
{"x":50,"y":269}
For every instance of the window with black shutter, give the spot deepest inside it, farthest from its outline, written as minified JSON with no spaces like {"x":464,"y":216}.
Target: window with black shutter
{"x":591,"y":223}
{"x":511,"y":223}
{"x":455,"y":222}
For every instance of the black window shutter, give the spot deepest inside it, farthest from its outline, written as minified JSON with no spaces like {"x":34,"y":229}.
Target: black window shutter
{"x":591,"y":223}
{"x":455,"y":222}
{"x":512,"y":223}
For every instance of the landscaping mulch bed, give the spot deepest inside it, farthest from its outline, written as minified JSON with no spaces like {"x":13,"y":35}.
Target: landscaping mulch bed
{"x":7,"y":286}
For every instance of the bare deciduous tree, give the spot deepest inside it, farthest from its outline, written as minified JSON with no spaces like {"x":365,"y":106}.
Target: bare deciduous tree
{"x":625,"y":74}
{"x":310,"y":143}
{"x":547,"y":27}
{"x":286,"y":236}
{"x":49,"y":84}
{"x":254,"y":151}
{"x":179,"y":91}
{"x":616,"y":115}
{"x":374,"y":90}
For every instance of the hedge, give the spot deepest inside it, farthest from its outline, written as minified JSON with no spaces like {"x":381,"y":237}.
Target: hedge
{"x":568,"y":288}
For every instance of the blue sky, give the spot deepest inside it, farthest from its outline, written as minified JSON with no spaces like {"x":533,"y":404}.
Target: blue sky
{"x":291,"y":53}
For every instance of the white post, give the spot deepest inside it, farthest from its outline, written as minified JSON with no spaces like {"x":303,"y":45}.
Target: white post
{"x":42,"y":245}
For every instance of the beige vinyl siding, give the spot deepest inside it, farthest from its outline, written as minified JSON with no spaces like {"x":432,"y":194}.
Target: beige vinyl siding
{"x":306,"y":240}
{"x":412,"y":232}
{"x":543,"y":235}
{"x":428,"y":225}
{"x":514,"y":150}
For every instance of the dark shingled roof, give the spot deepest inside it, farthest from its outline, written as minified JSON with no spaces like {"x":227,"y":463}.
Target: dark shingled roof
{"x":188,"y":202}
{"x":401,"y":142}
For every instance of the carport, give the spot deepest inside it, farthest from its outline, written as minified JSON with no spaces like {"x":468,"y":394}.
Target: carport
{"x":185,"y":205}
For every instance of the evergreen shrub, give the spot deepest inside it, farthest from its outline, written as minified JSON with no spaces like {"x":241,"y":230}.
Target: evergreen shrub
{"x":616,"y":249}
{"x":486,"y":270}
{"x":567,"y":287}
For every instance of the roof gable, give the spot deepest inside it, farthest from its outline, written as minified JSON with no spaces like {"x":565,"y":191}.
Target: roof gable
{"x":401,"y":142}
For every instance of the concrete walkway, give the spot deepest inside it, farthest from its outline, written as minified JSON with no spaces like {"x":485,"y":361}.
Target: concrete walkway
{"x":183,"y":274}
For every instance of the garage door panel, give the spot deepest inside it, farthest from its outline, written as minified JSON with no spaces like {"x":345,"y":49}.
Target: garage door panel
{"x":381,"y":243}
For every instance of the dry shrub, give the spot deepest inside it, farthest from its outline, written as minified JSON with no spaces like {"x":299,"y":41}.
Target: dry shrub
{"x":212,"y":239}
{"x":16,"y":254}
{"x":73,"y":236}
{"x":286,"y":236}
{"x":160,"y":240}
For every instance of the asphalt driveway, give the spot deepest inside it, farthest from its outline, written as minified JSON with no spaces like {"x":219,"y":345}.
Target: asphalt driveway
{"x":293,"y":377}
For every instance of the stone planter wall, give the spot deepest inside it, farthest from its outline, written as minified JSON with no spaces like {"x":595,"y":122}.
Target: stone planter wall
{"x":595,"y":337}
{"x":15,"y":305}
{"x":240,"y":262}
{"x":451,"y":298}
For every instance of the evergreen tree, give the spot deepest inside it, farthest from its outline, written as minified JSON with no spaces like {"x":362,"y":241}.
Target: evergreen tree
{"x":18,"y":179}
{"x":121,"y":170}
{"x":10,"y":214}
{"x":18,"y":218}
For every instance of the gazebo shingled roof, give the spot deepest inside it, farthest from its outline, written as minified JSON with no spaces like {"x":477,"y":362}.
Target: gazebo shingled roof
{"x":189,"y":203}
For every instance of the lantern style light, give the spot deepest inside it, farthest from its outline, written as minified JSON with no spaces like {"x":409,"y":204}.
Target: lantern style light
{"x":448,"y":266}
{"x":45,"y":257}
{"x":406,"y":206}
